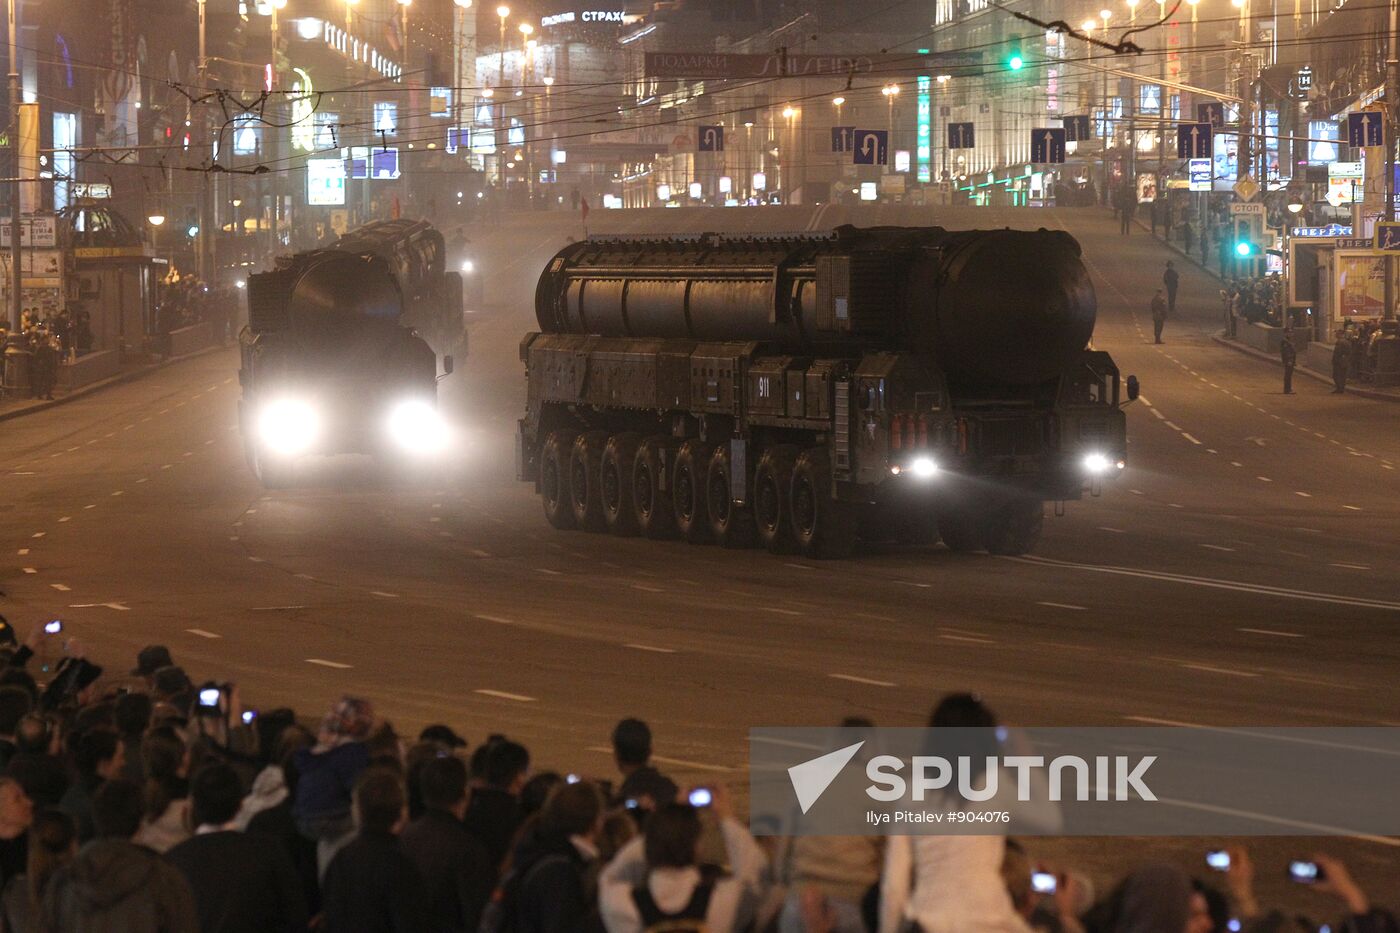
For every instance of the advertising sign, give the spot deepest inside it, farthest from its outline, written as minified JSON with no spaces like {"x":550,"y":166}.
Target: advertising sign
{"x":1344,"y":183}
{"x":440,"y":102}
{"x":718,"y":65}
{"x":33,"y":231}
{"x":1200,"y":174}
{"x":1360,"y":285}
{"x":1146,"y":188}
{"x":325,"y":182}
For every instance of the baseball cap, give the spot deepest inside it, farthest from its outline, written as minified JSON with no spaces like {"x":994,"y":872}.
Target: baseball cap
{"x":151,"y":659}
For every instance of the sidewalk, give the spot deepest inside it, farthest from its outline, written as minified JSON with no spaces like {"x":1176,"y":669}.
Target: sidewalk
{"x":18,"y":407}
{"x":1353,"y":387}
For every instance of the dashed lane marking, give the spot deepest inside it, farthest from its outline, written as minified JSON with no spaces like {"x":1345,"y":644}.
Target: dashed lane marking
{"x":22,"y":551}
{"x":647,"y":589}
{"x":1352,"y":508}
{"x":202,"y":633}
{"x":552,"y":573}
{"x":322,"y":662}
{"x":1269,"y":631}
{"x":1063,"y":606}
{"x":38,"y":534}
{"x":656,"y":649}
{"x":66,"y":518}
{"x":498,"y":620}
{"x":61,"y":587}
{"x":868,"y":681}
{"x":1350,"y":566}
{"x":1218,"y":547}
{"x":1263,"y":479}
{"x":384,"y":594}
{"x":119,"y":607}
{"x":502,"y":695}
{"x":968,"y":638}
{"x":799,"y":566}
{"x":1117,"y":531}
{"x":1305,"y":495}
{"x":1190,"y":438}
{"x":31,"y":569}
{"x":779,"y":611}
{"x":922,"y":586}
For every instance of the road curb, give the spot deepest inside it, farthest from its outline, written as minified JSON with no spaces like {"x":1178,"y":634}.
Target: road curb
{"x":106,"y":383}
{"x":1324,"y":378}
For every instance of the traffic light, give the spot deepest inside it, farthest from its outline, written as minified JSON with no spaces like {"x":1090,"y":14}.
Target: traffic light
{"x":1014,"y":60}
{"x":1246,"y":241}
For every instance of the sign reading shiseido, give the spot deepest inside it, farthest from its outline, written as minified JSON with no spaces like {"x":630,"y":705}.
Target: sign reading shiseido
{"x":582,"y":16}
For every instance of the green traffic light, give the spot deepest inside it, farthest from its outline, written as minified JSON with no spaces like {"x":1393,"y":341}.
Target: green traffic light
{"x":1015,"y":62}
{"x":1244,"y":249}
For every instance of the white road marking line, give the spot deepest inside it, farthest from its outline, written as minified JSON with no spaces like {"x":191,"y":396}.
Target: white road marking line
{"x":303,"y":576}
{"x":1219,"y":670}
{"x":1175,"y":505}
{"x":922,"y":586}
{"x":37,"y":534}
{"x":1269,"y":631}
{"x":874,"y":617}
{"x":1136,"y":492}
{"x":968,"y":638}
{"x":274,"y":608}
{"x":1160,"y":416}
{"x":1212,"y":450}
{"x":1218,"y":547}
{"x":119,"y":607}
{"x":202,"y":633}
{"x":502,"y":695}
{"x":785,"y":612}
{"x":66,"y":518}
{"x":31,"y":569}
{"x":1063,"y":606}
{"x":166,"y":466}
{"x":119,"y":492}
{"x":647,"y":589}
{"x":552,"y":573}
{"x":71,"y":449}
{"x":1305,"y":495}
{"x":1263,"y":479}
{"x":1350,"y":566}
{"x":1254,"y":589}
{"x":1190,"y":438}
{"x":1236,"y":463}
{"x":478,"y":552}
{"x":499,"y":620}
{"x":384,"y":594}
{"x":91,"y":505}
{"x":799,"y":566}
{"x":256,"y":560}
{"x":1353,"y":508}
{"x":25,"y":473}
{"x":141,"y":480}
{"x":862,"y":680}
{"x":324,"y":663}
{"x":22,"y":551}
{"x":653,"y":648}
{"x":61,"y":587}
{"x":1117,"y":531}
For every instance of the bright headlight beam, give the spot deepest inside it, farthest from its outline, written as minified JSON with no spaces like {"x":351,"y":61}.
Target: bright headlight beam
{"x":288,"y":426}
{"x":468,"y":267}
{"x":923,"y":467}
{"x":1097,"y":463}
{"x":416,"y":427}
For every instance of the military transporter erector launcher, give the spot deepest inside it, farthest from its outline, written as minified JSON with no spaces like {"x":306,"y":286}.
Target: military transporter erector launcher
{"x":802,"y":391}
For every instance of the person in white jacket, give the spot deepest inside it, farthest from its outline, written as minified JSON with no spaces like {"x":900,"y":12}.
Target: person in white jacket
{"x":658,"y":875}
{"x":953,"y":884}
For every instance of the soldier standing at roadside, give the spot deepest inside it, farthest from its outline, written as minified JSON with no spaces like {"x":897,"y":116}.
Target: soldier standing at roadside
{"x":1159,"y":315}
{"x":1341,"y":362}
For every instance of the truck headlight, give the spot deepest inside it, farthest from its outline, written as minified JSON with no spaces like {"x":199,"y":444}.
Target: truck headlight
{"x":923,"y":467}
{"x":416,"y":427}
{"x":1099,"y":464}
{"x":468,"y":267}
{"x":289,"y":426}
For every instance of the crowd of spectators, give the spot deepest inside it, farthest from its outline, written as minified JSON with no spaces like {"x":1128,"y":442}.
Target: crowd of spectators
{"x":147,"y":802}
{"x":187,"y":300}
{"x":1255,"y":300}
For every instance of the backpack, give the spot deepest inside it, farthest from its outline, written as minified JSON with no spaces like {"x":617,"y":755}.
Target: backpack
{"x":502,"y":912}
{"x":689,"y":919}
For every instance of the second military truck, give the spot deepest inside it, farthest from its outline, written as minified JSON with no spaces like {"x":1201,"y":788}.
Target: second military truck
{"x":803,"y":391}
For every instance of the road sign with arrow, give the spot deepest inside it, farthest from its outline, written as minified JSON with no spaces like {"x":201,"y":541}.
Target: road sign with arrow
{"x":1212,"y":112}
{"x":1193,"y":140}
{"x":711,"y":139}
{"x":961,"y":136}
{"x":1365,"y":129}
{"x":872,"y":147}
{"x":1077,"y":129}
{"x":1048,"y":144}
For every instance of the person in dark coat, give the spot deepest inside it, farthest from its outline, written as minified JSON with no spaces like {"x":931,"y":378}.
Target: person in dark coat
{"x":99,"y":757}
{"x":1289,"y":354}
{"x":551,"y":889}
{"x":372,"y":886}
{"x":1171,"y":280}
{"x":1341,"y":362}
{"x":494,"y":813}
{"x":456,"y":868}
{"x":1159,"y":315}
{"x":114,"y":884}
{"x":240,"y":883}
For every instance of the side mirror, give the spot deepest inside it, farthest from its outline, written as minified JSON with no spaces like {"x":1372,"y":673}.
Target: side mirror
{"x":447,"y":371}
{"x":1133,"y":387}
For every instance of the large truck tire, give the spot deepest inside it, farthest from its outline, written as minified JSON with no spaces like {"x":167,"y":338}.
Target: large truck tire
{"x":585,"y":475}
{"x":615,"y":484}
{"x":1013,"y":528}
{"x":688,"y":491}
{"x":822,"y":526}
{"x":554,"y":479}
{"x":651,"y":493}
{"x":731,"y":525}
{"x":772,"y":505}
{"x":272,"y":471}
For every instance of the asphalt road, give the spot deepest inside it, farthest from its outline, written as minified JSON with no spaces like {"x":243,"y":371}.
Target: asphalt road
{"x":1241,"y":572}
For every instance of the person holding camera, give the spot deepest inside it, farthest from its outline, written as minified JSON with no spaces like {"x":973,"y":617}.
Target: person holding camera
{"x":657,"y":878}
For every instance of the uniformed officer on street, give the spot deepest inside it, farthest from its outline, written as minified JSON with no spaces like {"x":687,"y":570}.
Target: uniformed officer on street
{"x":1341,"y":362}
{"x":1159,"y":315}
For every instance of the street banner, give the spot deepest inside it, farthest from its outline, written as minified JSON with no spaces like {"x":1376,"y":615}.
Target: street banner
{"x":720,"y":65}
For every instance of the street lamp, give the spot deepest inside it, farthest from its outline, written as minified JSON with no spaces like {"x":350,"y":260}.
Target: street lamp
{"x":155,"y":220}
{"x":502,"y":11}
{"x":1132,"y":12}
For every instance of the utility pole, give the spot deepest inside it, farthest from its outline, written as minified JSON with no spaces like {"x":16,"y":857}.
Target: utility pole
{"x":203,"y":241}
{"x":1392,"y":92}
{"x":15,"y":307}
